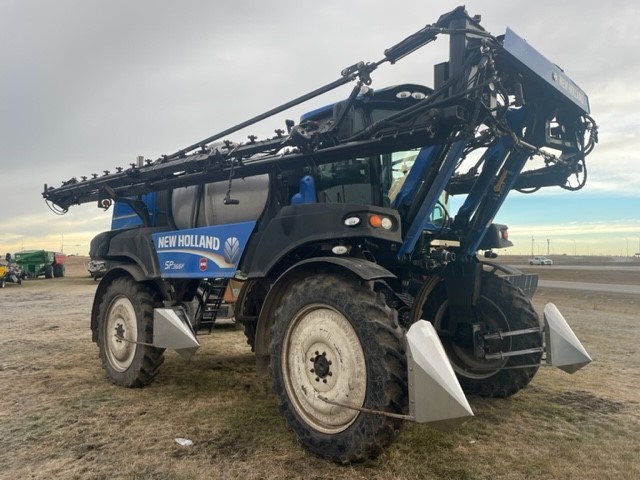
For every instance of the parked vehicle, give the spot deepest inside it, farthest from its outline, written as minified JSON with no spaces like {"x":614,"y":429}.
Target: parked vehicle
{"x":10,"y":273}
{"x":540,"y":261}
{"x":97,"y":269}
{"x":37,"y":263}
{"x":362,"y":294}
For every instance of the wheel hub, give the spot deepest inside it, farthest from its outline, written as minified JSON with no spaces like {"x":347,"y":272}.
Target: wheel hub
{"x":463,"y":335}
{"x":119,"y":332}
{"x":321,"y":366}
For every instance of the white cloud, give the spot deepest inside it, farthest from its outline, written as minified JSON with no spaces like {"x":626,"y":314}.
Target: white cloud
{"x":618,"y":228}
{"x":87,"y":86}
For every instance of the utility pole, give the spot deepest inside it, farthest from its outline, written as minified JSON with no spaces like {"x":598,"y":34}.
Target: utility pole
{"x":548,"y":240}
{"x":532,"y":254}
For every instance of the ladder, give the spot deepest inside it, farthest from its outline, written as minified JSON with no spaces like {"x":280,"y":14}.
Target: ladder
{"x":212,"y":298}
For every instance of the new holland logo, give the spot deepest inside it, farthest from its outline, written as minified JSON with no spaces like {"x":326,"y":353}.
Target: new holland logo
{"x":231,"y":250}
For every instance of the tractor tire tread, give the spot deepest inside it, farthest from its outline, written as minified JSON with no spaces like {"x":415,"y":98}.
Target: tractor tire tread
{"x":382,"y":339}
{"x":148,"y":364}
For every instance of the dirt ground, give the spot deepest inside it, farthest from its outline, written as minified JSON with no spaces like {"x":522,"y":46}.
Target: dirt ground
{"x":60,"y":418}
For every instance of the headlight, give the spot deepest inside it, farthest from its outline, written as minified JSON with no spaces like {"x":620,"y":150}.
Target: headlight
{"x":351,"y":221}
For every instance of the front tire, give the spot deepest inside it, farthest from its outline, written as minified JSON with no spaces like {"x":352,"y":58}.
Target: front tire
{"x":336,"y":338}
{"x":125,"y":316}
{"x":501,"y":307}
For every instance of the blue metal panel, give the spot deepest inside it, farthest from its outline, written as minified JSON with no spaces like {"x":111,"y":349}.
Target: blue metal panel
{"x":322,"y":112}
{"x":493,"y":158}
{"x":491,"y":203}
{"x":422,"y":218}
{"x":423,"y":161}
{"x":207,"y":252}
{"x":125,"y":217}
{"x":543,"y":68}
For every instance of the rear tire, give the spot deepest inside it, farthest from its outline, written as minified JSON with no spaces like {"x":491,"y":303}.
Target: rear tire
{"x":501,"y":306}
{"x":126,"y":311}
{"x":48,"y":271}
{"x":248,"y":306}
{"x":58,"y":270}
{"x":337,"y":338}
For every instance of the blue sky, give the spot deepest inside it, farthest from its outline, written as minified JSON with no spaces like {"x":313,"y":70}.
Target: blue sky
{"x":578,"y":222}
{"x":87,"y":85}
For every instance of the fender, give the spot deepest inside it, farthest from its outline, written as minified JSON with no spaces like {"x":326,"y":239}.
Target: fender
{"x":363,"y":269}
{"x":135,"y":244}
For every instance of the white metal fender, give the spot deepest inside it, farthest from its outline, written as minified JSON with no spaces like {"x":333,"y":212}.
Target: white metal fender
{"x":171,"y":329}
{"x":563,"y":348}
{"x":435,"y":396}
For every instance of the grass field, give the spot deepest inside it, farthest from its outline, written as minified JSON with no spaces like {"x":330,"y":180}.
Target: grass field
{"x":60,"y":417}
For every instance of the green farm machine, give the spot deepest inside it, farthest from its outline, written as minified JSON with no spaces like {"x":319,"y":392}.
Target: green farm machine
{"x":41,"y":263}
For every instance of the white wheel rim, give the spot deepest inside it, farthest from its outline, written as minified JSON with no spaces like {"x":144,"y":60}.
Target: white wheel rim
{"x":121,"y":321}
{"x":314,"y":331}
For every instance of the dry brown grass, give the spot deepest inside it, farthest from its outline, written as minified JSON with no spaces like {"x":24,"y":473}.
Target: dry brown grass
{"x":60,"y":418}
